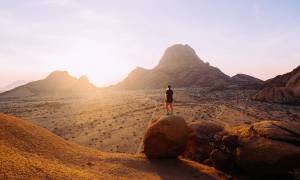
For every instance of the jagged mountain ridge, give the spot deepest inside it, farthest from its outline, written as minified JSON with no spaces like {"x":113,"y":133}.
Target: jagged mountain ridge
{"x":179,"y":66}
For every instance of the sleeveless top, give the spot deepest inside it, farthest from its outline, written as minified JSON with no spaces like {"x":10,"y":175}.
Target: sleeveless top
{"x":169,"y":96}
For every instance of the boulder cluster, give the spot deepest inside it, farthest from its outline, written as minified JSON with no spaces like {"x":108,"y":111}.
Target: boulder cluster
{"x":263,"y":148}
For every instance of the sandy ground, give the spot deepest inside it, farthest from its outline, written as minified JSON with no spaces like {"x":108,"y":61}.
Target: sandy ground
{"x":28,"y":151}
{"x":115,"y":121}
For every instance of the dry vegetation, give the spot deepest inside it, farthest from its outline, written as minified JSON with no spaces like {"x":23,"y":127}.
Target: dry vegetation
{"x":114,"y":121}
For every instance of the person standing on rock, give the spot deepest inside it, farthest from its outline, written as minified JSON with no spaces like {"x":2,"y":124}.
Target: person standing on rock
{"x":169,"y":100}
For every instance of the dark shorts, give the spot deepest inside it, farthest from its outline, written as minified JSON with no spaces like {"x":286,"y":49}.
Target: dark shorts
{"x":169,"y":101}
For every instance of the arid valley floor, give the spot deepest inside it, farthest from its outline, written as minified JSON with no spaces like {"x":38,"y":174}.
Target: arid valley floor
{"x":115,"y":121}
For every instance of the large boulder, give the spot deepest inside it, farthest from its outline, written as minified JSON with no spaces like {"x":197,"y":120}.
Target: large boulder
{"x":166,"y":138}
{"x":202,"y":139}
{"x":269,"y":147}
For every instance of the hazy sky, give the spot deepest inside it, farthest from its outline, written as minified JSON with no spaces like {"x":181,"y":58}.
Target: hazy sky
{"x":107,"y":39}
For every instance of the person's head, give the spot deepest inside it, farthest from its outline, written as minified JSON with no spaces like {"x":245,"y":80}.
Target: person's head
{"x":169,"y":87}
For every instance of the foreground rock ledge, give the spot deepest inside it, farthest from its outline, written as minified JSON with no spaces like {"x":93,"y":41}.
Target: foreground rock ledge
{"x":166,"y":138}
{"x":263,"y":148}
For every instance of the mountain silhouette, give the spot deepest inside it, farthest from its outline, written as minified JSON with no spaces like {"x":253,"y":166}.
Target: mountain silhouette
{"x":179,"y":66}
{"x":55,"y":83}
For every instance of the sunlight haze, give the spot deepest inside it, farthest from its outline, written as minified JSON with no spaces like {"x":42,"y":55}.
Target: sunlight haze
{"x":106,"y":40}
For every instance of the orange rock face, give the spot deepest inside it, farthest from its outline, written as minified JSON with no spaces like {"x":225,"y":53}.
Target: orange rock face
{"x":166,"y":138}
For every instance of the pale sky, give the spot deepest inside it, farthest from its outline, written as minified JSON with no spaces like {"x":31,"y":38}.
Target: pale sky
{"x":105,"y":40}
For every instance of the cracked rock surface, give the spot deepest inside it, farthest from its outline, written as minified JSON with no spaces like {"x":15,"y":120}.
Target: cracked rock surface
{"x":269,"y":147}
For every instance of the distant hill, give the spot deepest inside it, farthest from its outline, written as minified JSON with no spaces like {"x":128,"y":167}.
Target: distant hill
{"x":57,"y":82}
{"x":244,"y":80}
{"x":12,"y":85}
{"x":281,"y":89}
{"x":180,"y":67}
{"x":31,"y":152}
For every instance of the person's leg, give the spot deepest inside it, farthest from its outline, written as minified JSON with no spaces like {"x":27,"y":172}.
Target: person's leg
{"x":167,"y":107}
{"x":171,"y":108}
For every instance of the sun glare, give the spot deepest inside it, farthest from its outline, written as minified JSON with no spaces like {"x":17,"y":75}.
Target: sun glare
{"x":103,"y":66}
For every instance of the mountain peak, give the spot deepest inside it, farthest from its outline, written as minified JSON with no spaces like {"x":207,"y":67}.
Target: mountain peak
{"x":58,"y":74}
{"x":55,"y":82}
{"x":179,"y":55}
{"x":179,"y":66}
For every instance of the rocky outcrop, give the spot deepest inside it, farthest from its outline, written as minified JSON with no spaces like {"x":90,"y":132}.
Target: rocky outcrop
{"x":179,"y":66}
{"x":201,"y":140}
{"x":57,"y":82}
{"x":269,"y":147}
{"x":166,"y":138}
{"x":264,"y":148}
{"x":281,"y":89}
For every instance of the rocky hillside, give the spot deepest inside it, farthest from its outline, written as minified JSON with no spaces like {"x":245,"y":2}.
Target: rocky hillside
{"x":56,"y":82}
{"x":281,"y":89}
{"x":28,"y":151}
{"x":179,"y":66}
{"x":244,"y":80}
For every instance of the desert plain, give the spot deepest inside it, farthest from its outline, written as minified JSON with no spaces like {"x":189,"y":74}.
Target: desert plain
{"x":115,"y":120}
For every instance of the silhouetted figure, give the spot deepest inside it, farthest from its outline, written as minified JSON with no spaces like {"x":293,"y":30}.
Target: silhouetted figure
{"x":169,"y":100}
